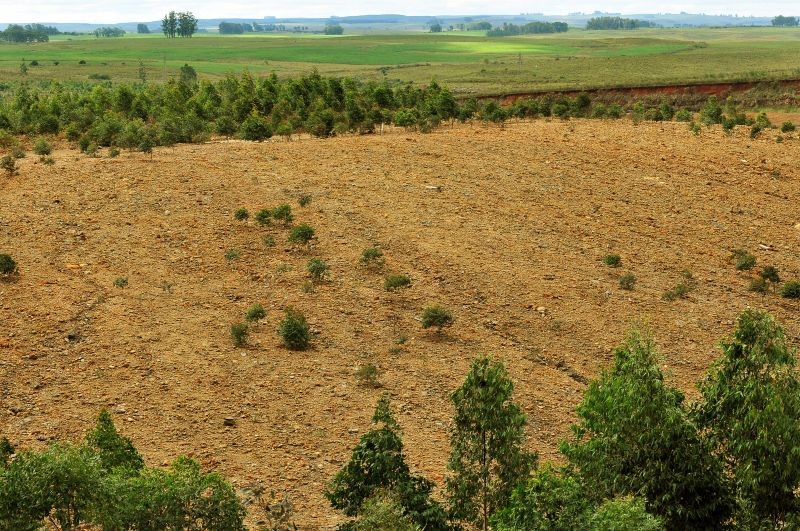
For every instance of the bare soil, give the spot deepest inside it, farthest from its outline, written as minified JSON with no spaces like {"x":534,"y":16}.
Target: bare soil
{"x":505,"y":227}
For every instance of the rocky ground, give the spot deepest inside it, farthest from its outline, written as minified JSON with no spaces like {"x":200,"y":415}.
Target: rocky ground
{"x":505,"y":227}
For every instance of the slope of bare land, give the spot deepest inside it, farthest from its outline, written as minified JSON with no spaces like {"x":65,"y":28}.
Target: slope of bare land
{"x":506,"y":227}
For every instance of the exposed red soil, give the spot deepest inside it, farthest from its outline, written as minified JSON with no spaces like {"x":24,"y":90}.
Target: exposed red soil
{"x":506,"y":227}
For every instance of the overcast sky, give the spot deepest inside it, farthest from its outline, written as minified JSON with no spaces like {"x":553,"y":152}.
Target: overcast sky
{"x":111,"y":11}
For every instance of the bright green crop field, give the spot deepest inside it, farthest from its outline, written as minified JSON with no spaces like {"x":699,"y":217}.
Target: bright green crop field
{"x":467,"y":62}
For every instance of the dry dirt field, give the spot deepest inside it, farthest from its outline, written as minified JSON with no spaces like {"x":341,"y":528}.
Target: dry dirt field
{"x":506,"y":227}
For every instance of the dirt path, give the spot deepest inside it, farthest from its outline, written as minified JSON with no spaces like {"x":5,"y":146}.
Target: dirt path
{"x":492,"y":223}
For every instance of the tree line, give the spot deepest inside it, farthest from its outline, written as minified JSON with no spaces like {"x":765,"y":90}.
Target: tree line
{"x":617,"y":23}
{"x":183,"y":24}
{"x":639,"y":457}
{"x":17,"y":33}
{"x":780,"y":20}
{"x":107,"y":31}
{"x":507,"y":29}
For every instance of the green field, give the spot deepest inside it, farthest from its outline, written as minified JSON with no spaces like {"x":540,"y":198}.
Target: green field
{"x":466,"y":61}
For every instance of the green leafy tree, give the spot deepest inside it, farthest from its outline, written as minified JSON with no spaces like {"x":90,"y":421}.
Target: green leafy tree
{"x":624,"y":514}
{"x":377,"y":465}
{"x":487,"y":458}
{"x":187,"y":24}
{"x":114,"y":450}
{"x":635,"y":438}
{"x":169,"y":25}
{"x":751,"y":405}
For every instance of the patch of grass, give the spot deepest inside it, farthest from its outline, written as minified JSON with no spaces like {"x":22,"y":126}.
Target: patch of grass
{"x":791,"y":290}
{"x":113,"y":152}
{"x":239,"y":334}
{"x":264,"y":216}
{"x":304,"y":200}
{"x":682,"y":289}
{"x":241,"y":214}
{"x":393,"y":282}
{"x":283,"y":213}
{"x":437,"y":317}
{"x":269,"y":241}
{"x":121,"y":282}
{"x":627,"y":281}
{"x":612,"y":260}
{"x":255,"y":313}
{"x":294,"y":330}
{"x":232,"y":254}
{"x":372,"y":257}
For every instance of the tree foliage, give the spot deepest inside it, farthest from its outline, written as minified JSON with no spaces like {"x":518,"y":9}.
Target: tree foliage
{"x":634,"y":437}
{"x":377,"y":465}
{"x":751,"y":405}
{"x":487,"y":457}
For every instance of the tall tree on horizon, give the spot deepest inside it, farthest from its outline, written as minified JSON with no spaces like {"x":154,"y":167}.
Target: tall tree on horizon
{"x":187,"y":24}
{"x":169,"y":25}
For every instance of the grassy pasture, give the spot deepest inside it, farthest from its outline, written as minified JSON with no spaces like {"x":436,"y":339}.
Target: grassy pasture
{"x":466,"y":61}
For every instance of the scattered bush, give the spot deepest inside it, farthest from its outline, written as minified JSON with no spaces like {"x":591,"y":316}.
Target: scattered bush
{"x":791,"y":290}
{"x":436,"y":316}
{"x":9,"y":165}
{"x":683,"y":115}
{"x":317,"y":268}
{"x":744,"y":260}
{"x":7,"y":264}
{"x":113,"y":152}
{"x":304,"y":200}
{"x":121,"y":282}
{"x":682,"y":289}
{"x":770,"y":273}
{"x":393,"y":282}
{"x":239,"y":334}
{"x":758,"y":285}
{"x":255,"y":313}
{"x":787,"y":127}
{"x":264,"y":216}
{"x":372,"y":256}
{"x":268,"y":240}
{"x":42,"y":147}
{"x":367,"y":375}
{"x":232,"y":254}
{"x":255,"y":128}
{"x":241,"y":214}
{"x":294,"y":330}
{"x":627,"y":281}
{"x":612,"y":260}
{"x":283,"y":213}
{"x":301,"y":234}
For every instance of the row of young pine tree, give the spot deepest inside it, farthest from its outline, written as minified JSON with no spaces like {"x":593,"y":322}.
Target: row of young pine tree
{"x":640,"y":458}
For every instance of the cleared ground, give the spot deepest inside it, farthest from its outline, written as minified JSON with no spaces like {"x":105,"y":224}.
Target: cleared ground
{"x":468,"y":62}
{"x":506,"y":227}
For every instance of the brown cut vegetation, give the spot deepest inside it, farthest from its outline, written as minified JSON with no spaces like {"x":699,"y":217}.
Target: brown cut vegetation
{"x":505,"y":227}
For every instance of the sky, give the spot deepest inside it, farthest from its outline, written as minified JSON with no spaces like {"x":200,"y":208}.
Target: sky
{"x":115,"y":11}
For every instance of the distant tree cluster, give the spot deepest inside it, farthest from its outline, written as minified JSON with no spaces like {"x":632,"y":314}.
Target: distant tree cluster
{"x":333,"y":29}
{"x":28,"y":33}
{"x":238,"y":28}
{"x":142,"y":28}
{"x":617,"y":23}
{"x":780,"y":20}
{"x":108,"y":31}
{"x":507,"y":30}
{"x":183,"y":24}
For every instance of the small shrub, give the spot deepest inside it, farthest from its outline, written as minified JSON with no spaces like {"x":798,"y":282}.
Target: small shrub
{"x":7,"y":264}
{"x":393,"y":282}
{"x":695,"y":128}
{"x":317,"y":268}
{"x":255,"y":313}
{"x":241,"y":214}
{"x":682,"y":289}
{"x":744,"y":261}
{"x":304,"y":200}
{"x":683,"y":115}
{"x":627,"y":281}
{"x":121,"y":282}
{"x":787,"y":127}
{"x":770,"y":273}
{"x":9,"y":165}
{"x":791,"y":290}
{"x":283,"y":213}
{"x":48,"y":161}
{"x":113,"y":152}
{"x":308,"y":287}
{"x":42,"y":147}
{"x":264,"y":216}
{"x":372,"y":256}
{"x":268,"y":240}
{"x":367,"y":375}
{"x":294,"y":330}
{"x":301,"y":234}
{"x":758,"y":285}
{"x":612,"y":260}
{"x":436,"y":316}
{"x":239,"y":333}
{"x":232,"y":254}
{"x":82,"y":62}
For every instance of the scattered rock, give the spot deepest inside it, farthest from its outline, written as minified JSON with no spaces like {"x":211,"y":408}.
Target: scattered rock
{"x":229,"y":421}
